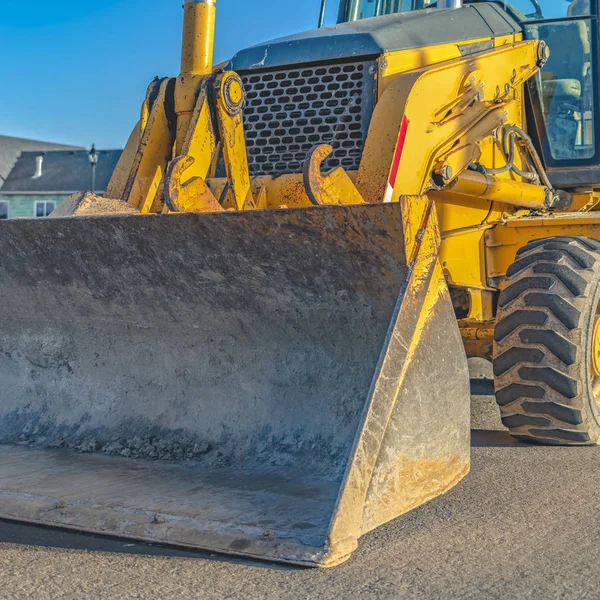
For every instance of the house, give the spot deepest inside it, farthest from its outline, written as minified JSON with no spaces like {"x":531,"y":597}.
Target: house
{"x":11,"y":148}
{"x":40,"y":180}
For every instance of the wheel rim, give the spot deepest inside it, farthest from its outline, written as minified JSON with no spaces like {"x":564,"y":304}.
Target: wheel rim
{"x":596,"y":356}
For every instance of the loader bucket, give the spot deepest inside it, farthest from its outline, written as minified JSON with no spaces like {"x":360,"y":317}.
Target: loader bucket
{"x":268,"y":384}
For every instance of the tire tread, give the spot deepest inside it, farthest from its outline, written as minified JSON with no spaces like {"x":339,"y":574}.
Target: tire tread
{"x":538,"y":359}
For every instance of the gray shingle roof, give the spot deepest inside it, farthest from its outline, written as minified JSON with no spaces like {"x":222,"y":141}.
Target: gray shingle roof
{"x":62,"y":171}
{"x":11,"y":148}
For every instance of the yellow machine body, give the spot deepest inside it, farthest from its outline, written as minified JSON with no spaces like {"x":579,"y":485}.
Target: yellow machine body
{"x":269,"y":365}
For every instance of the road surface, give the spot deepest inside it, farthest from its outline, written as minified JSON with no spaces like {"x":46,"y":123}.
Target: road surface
{"x":525,"y":523}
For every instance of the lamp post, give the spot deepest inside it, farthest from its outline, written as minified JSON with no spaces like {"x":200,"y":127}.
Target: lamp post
{"x":93,"y":158}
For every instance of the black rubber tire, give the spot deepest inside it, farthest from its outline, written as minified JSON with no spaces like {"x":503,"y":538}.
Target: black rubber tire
{"x":542,"y":342}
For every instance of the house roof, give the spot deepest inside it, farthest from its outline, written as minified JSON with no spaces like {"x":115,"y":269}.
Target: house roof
{"x":11,"y":148}
{"x":63,"y":171}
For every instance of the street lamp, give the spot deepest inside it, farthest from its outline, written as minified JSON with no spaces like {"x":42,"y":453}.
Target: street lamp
{"x":93,"y":158}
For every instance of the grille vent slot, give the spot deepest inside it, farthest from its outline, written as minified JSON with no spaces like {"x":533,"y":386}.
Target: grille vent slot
{"x":289,"y":111}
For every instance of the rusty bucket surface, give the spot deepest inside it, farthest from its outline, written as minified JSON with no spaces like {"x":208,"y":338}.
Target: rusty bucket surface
{"x":270,"y":384}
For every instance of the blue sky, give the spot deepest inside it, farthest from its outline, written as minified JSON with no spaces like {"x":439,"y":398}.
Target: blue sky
{"x":75,"y":71}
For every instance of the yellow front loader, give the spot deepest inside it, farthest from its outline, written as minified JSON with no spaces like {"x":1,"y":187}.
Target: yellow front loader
{"x":254,"y":342}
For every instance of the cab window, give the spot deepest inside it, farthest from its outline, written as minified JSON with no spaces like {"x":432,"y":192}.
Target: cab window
{"x":563,"y":92}
{"x":547,"y":9}
{"x":363,"y":9}
{"x":565,"y":89}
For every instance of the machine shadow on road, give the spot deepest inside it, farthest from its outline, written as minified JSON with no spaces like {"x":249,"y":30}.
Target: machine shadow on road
{"x":47,"y":537}
{"x":487,"y":430}
{"x":487,"y":438}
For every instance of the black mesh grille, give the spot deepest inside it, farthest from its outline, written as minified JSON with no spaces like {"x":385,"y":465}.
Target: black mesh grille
{"x":289,"y":111}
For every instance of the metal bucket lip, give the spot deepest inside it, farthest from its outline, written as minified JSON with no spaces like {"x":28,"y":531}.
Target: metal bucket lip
{"x":393,"y":208}
{"x":149,"y":524}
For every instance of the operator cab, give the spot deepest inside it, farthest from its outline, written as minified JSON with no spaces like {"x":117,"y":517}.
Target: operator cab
{"x":562,"y":107}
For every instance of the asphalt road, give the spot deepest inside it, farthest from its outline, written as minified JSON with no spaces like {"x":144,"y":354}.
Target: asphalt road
{"x":524,"y":524}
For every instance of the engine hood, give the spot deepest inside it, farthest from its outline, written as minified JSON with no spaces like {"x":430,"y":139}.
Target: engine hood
{"x":374,"y":36}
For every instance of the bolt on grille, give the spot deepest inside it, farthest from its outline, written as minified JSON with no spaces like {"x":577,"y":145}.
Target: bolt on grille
{"x":289,"y":111}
